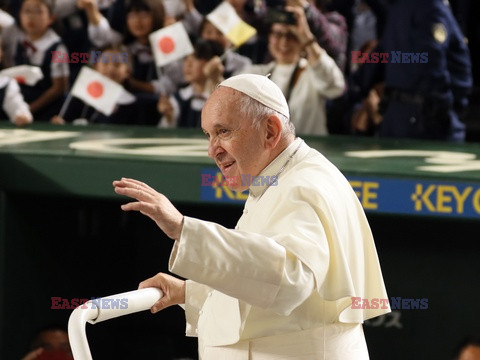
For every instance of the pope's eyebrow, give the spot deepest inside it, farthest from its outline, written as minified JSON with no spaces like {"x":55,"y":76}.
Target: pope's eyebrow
{"x":217,"y":126}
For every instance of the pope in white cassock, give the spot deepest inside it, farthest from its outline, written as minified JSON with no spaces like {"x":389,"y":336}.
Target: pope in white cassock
{"x":279,"y":285}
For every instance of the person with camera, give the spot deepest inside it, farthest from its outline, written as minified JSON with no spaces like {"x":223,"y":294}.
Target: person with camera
{"x":304,"y":71}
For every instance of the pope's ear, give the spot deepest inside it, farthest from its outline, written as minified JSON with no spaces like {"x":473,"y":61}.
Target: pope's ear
{"x":273,"y":131}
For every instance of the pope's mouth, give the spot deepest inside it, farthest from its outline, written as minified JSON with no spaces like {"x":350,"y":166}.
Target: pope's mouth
{"x":226,"y":166}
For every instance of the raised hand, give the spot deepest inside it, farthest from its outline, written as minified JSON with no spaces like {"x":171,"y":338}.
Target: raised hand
{"x":152,"y":204}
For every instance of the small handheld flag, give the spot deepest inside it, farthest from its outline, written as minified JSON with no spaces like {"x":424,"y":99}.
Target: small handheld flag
{"x":226,"y":19}
{"x":24,"y":74}
{"x":170,"y":43}
{"x":97,"y":90}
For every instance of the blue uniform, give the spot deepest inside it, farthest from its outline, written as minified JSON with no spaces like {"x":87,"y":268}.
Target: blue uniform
{"x":428,"y":74}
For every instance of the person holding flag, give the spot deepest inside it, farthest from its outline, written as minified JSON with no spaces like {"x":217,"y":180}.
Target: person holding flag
{"x":225,"y":26}
{"x":13,"y":105}
{"x":146,"y":81}
{"x":231,"y":62}
{"x":97,"y":96}
{"x":32,"y":44}
{"x":183,"y":108}
{"x":143,"y":17}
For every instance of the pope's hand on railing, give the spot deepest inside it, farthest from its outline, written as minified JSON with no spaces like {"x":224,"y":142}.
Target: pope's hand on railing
{"x":173,"y":290}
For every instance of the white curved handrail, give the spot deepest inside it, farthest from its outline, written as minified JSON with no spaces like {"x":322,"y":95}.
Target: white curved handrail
{"x":101,"y":309}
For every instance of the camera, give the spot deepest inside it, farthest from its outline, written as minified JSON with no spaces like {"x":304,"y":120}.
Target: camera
{"x":280,"y":16}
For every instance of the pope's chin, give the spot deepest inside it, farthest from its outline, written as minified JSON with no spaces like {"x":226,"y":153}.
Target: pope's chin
{"x":236,"y":185}
{"x":233,"y":178}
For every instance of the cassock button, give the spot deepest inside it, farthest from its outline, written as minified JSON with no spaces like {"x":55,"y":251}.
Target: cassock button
{"x":245,"y":211}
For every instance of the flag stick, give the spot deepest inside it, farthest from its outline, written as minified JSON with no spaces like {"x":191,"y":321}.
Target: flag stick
{"x":65,"y":105}
{"x":159,"y":71}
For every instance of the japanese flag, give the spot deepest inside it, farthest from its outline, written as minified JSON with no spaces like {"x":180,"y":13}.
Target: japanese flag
{"x":170,"y":43}
{"x":97,"y":90}
{"x":24,"y":74}
{"x":226,"y":19}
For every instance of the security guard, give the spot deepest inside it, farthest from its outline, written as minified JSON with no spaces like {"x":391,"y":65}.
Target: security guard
{"x":428,"y":74}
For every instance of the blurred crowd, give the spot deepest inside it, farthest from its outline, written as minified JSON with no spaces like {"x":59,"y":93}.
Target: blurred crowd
{"x":386,"y":68}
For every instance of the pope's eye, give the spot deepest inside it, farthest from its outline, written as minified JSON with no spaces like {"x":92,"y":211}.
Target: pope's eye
{"x":223,"y":132}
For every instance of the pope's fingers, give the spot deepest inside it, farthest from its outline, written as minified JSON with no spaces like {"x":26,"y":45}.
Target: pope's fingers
{"x":143,"y":207}
{"x":147,"y":283}
{"x":160,"y":305}
{"x":152,"y":282}
{"x":139,"y":185}
{"x":133,"y":193}
{"x":134,"y":181}
{"x":137,"y":191}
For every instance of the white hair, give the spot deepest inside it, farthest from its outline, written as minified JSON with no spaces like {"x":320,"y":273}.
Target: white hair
{"x":258,"y":112}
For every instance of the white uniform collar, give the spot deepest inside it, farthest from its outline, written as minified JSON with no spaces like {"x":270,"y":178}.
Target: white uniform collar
{"x":48,"y":39}
{"x":272,"y":173}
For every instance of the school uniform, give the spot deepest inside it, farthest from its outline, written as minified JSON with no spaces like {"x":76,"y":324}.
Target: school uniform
{"x":143,"y":62}
{"x":39,"y":53}
{"x":187,"y":108}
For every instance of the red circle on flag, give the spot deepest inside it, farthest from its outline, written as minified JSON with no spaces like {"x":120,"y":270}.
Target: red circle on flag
{"x":21,"y":79}
{"x":95,"y":89}
{"x":166,"y":44}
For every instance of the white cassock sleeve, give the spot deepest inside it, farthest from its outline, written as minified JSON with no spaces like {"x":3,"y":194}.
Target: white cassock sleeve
{"x":195,"y":295}
{"x":249,"y":266}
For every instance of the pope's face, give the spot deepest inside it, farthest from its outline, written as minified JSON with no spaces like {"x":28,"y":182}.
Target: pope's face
{"x":235,"y":145}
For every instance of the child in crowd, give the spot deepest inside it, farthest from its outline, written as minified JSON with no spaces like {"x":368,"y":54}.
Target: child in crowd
{"x":233,"y":63}
{"x":142,"y":18}
{"x":183,"y":109}
{"x":184,"y":11}
{"x":253,"y":13}
{"x":32,"y":45}
{"x":13,"y":106}
{"x":113,"y":66}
